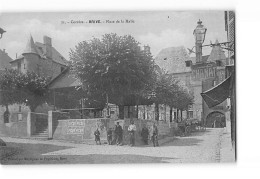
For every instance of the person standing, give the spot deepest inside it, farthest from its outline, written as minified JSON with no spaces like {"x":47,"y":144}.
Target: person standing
{"x":97,"y":137}
{"x":132,"y":129}
{"x":109,"y":136}
{"x":118,"y":133}
{"x":145,"y":135}
{"x":155,"y":135}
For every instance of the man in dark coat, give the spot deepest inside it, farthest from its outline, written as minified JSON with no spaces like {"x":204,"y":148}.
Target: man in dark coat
{"x":109,"y":136}
{"x":118,"y":133}
{"x":145,"y":135}
{"x":97,"y":137}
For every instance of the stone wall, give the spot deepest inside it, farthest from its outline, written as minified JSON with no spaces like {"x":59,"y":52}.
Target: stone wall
{"x":17,"y":126}
{"x":14,"y":129}
{"x":17,"y":112}
{"x":83,"y":129}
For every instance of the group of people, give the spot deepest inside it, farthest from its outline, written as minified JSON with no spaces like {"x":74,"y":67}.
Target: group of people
{"x":118,"y":135}
{"x":153,"y":135}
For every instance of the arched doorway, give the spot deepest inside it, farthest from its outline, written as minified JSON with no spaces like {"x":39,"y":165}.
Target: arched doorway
{"x":216,"y":120}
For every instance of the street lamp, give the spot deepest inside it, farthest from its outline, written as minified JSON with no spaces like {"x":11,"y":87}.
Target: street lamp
{"x":199,"y":34}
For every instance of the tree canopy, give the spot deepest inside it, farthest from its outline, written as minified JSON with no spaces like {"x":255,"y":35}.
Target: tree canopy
{"x":28,"y":88}
{"x":113,"y":65}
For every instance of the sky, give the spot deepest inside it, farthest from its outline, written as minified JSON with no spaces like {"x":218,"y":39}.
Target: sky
{"x":158,"y":29}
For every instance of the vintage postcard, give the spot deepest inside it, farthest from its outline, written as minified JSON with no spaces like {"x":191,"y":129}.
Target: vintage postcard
{"x":117,"y":87}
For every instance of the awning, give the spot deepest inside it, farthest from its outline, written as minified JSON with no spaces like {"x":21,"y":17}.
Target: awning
{"x":217,"y":94}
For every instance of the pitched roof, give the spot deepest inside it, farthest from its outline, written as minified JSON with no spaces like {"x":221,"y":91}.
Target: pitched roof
{"x":173,"y":59}
{"x":64,"y":80}
{"x":39,"y":49}
{"x":4,"y":60}
{"x":30,"y":47}
{"x":56,"y":56}
{"x":217,"y":53}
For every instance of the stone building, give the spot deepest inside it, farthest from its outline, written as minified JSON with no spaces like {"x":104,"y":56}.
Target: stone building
{"x":196,"y":77}
{"x":230,"y":69}
{"x":41,"y":58}
{"x":4,"y":60}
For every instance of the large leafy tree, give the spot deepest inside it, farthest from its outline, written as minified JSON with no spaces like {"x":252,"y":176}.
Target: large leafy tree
{"x":28,"y":88}
{"x":114,"y":67}
{"x":184,"y":99}
{"x":167,"y":90}
{"x":35,"y":89}
{"x":10,"y":83}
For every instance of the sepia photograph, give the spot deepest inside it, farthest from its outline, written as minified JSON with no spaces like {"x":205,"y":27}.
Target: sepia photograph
{"x":118,"y":87}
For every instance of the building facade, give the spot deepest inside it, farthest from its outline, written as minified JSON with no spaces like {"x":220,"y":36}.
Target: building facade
{"x":197,"y":78}
{"x":4,"y":60}
{"x":41,"y":58}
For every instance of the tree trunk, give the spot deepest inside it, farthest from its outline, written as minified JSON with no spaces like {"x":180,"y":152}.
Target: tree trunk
{"x":181,"y":115}
{"x":170,"y":114}
{"x":177,"y":115}
{"x":156,"y":111}
{"x":137,"y":111}
{"x":121,"y":108}
{"x":121,"y":111}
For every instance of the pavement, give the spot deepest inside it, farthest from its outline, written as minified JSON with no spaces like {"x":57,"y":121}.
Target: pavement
{"x":227,"y":152}
{"x":211,"y":146}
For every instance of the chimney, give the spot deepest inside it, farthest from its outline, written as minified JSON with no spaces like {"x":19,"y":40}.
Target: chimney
{"x":48,"y":46}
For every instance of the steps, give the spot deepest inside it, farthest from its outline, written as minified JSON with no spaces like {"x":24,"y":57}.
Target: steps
{"x":41,"y":129}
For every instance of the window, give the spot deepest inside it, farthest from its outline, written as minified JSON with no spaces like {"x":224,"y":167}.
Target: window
{"x":219,"y":63}
{"x":190,"y":114}
{"x":188,"y":63}
{"x":19,"y":66}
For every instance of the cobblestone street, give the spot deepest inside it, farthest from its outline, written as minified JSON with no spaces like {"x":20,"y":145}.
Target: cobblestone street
{"x":210,"y":146}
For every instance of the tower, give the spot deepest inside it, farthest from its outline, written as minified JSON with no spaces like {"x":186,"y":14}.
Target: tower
{"x":31,"y":57}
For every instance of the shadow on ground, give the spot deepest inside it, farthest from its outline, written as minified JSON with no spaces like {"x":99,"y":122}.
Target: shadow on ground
{"x":200,"y":133}
{"x":181,"y":141}
{"x":20,"y":152}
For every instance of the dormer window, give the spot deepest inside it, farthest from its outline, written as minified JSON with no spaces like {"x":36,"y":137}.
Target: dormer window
{"x":219,"y":63}
{"x":188,"y":63}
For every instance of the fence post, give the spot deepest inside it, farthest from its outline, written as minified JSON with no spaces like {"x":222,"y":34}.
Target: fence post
{"x":50,"y":124}
{"x":29,"y":125}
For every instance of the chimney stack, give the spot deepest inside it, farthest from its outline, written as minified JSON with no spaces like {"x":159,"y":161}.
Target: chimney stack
{"x":48,"y":46}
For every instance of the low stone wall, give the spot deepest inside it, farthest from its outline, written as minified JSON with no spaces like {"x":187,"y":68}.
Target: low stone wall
{"x":14,"y":129}
{"x":83,"y":129}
